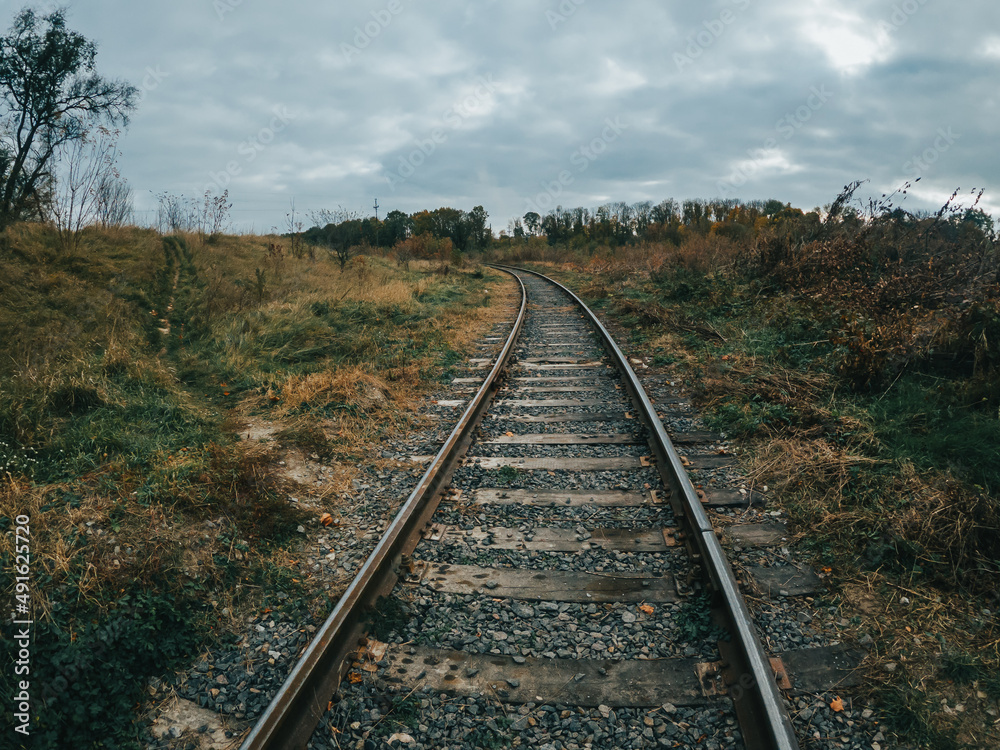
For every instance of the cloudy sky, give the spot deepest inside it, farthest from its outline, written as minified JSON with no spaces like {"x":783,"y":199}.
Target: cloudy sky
{"x":525,"y":104}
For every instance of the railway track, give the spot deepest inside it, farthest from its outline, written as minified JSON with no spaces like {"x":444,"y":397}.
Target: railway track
{"x":554,"y":563}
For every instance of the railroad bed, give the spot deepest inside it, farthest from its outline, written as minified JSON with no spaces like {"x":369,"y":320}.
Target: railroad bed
{"x":560,"y":583}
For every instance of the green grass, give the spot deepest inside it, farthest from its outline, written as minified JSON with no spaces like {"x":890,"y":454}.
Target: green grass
{"x":910,"y":712}
{"x":748,"y":417}
{"x":923,"y":420}
{"x":88,"y":677}
{"x":694,"y":620}
{"x":388,"y":616}
{"x":507,"y":475}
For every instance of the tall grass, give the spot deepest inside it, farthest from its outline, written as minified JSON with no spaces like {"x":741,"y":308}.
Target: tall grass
{"x":126,"y":368}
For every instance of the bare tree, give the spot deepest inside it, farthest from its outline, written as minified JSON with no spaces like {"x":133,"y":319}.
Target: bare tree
{"x":114,"y":201}
{"x":294,"y":227}
{"x":114,"y":194}
{"x":215,"y":213}
{"x":325,"y":216}
{"x":341,"y":231}
{"x":177,"y":213}
{"x":50,"y":97}
{"x":88,"y":164}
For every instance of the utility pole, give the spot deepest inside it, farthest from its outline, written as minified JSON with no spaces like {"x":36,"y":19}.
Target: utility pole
{"x":376,"y":223}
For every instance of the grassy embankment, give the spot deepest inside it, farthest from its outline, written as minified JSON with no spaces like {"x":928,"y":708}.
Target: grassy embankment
{"x":858,"y":363}
{"x":126,"y":369}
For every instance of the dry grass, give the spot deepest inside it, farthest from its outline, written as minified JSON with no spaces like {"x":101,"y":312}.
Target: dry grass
{"x":910,"y":550}
{"x":142,"y":493}
{"x":350,"y":385}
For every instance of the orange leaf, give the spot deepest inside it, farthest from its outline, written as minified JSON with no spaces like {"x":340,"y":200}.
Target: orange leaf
{"x":326,"y":519}
{"x":837,"y":705}
{"x":647,"y":609}
{"x":354,"y":678}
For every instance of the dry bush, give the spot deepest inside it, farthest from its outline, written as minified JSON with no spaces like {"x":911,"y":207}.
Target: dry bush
{"x":349,"y":387}
{"x":927,"y":519}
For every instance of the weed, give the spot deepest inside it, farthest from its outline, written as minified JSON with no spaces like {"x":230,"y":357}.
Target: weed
{"x":86,"y":678}
{"x":507,"y":475}
{"x":961,"y":667}
{"x":922,"y":420}
{"x":694,"y":620}
{"x":490,"y":738}
{"x":387,"y":617}
{"x":402,"y":714}
{"x":910,"y":712}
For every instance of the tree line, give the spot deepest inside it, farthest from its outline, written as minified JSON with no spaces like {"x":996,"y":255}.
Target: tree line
{"x":621,"y":223}
{"x":422,"y":234}
{"x":58,"y":137}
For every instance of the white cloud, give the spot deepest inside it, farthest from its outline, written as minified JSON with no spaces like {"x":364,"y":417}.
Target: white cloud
{"x":991,"y":48}
{"x":616,"y":78}
{"x":851,"y":42}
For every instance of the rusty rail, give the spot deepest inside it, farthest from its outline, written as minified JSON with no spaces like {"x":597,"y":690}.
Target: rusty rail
{"x":299,"y":705}
{"x":763,"y":717}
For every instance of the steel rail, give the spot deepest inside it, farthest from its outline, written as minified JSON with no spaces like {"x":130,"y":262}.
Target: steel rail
{"x":299,"y":705}
{"x":763,"y":717}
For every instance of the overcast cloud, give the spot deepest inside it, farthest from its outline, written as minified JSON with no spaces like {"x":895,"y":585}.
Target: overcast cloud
{"x":525,"y":104}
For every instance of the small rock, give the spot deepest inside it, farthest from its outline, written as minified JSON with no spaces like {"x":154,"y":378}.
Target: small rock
{"x":890,"y":667}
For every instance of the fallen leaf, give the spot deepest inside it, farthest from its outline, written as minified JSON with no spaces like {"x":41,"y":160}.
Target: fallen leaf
{"x":354,"y":678}
{"x":326,"y":519}
{"x":647,"y":609}
{"x":509,"y":434}
{"x":837,"y":705}
{"x":404,"y":738}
